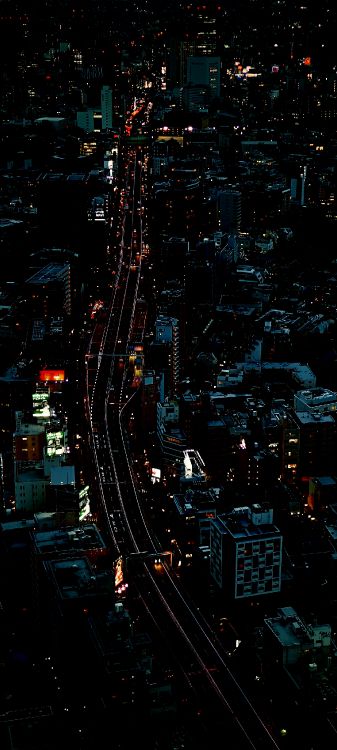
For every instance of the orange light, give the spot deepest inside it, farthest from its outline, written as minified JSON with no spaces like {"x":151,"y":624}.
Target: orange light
{"x":119,"y":572}
{"x":47,"y":376}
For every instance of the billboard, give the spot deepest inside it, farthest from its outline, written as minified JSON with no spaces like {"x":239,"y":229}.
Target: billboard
{"x":41,"y":408}
{"x":155,"y":475}
{"x":84,"y":502}
{"x":118,"y":572}
{"x":51,"y":376}
{"x":55,"y":443}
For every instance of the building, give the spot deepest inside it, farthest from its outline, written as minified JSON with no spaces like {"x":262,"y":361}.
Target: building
{"x":204,"y":71}
{"x":203,"y":25}
{"x":194,"y":470}
{"x":124,"y":657}
{"x":215,"y":445}
{"x":29,"y":441}
{"x":194,"y":509}
{"x":190,"y":407}
{"x":171,"y":439}
{"x":246,"y":552}
{"x":178,"y":203}
{"x":287,"y":638}
{"x":173,"y":254}
{"x":308,"y":445}
{"x":90,"y":120}
{"x":68,"y":503}
{"x":320,"y":400}
{"x":29,"y":479}
{"x":230,"y":207}
{"x":30,"y":490}
{"x":50,"y":290}
{"x":148,"y":400}
{"x":167,"y":333}
{"x":322,"y":493}
{"x":107,"y":107}
{"x":66,"y":590}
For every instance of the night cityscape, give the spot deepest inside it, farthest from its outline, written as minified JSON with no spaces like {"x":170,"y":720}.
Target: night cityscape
{"x":168,"y":375}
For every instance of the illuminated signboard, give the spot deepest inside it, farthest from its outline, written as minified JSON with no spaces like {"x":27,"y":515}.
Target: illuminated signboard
{"x":178,"y":138}
{"x":118,"y":572}
{"x":42,"y":412}
{"x":84,"y":502}
{"x":40,"y":397}
{"x":41,"y":408}
{"x":55,"y":443}
{"x":155,"y":475}
{"x":53,"y":376}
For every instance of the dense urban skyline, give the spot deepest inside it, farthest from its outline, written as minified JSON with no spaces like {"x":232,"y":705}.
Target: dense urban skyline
{"x":168,"y":392}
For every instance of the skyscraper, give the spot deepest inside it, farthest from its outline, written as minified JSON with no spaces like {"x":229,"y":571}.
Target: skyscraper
{"x":106,"y":106}
{"x":205,"y":70}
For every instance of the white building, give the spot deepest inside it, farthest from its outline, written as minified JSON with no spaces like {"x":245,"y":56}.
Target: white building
{"x":246,"y":552}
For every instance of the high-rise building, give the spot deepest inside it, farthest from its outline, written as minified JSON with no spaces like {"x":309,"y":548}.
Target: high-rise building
{"x":203,"y":21}
{"x":205,"y":71}
{"x":229,"y":204}
{"x":246,"y":552}
{"x":148,"y":400}
{"x":107,"y":107}
{"x":167,"y":332}
{"x":172,"y":440}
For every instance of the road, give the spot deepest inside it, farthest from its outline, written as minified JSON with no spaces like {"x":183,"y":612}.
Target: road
{"x":221,"y":703}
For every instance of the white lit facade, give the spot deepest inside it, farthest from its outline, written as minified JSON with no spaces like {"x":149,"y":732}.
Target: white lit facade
{"x":246,"y":552}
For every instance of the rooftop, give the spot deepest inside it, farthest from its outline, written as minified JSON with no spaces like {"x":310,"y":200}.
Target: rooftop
{"x":76,"y":578}
{"x":85,"y":537}
{"x":49,"y":273}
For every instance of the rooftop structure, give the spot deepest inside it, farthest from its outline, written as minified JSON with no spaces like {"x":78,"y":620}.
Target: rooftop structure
{"x":63,"y":542}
